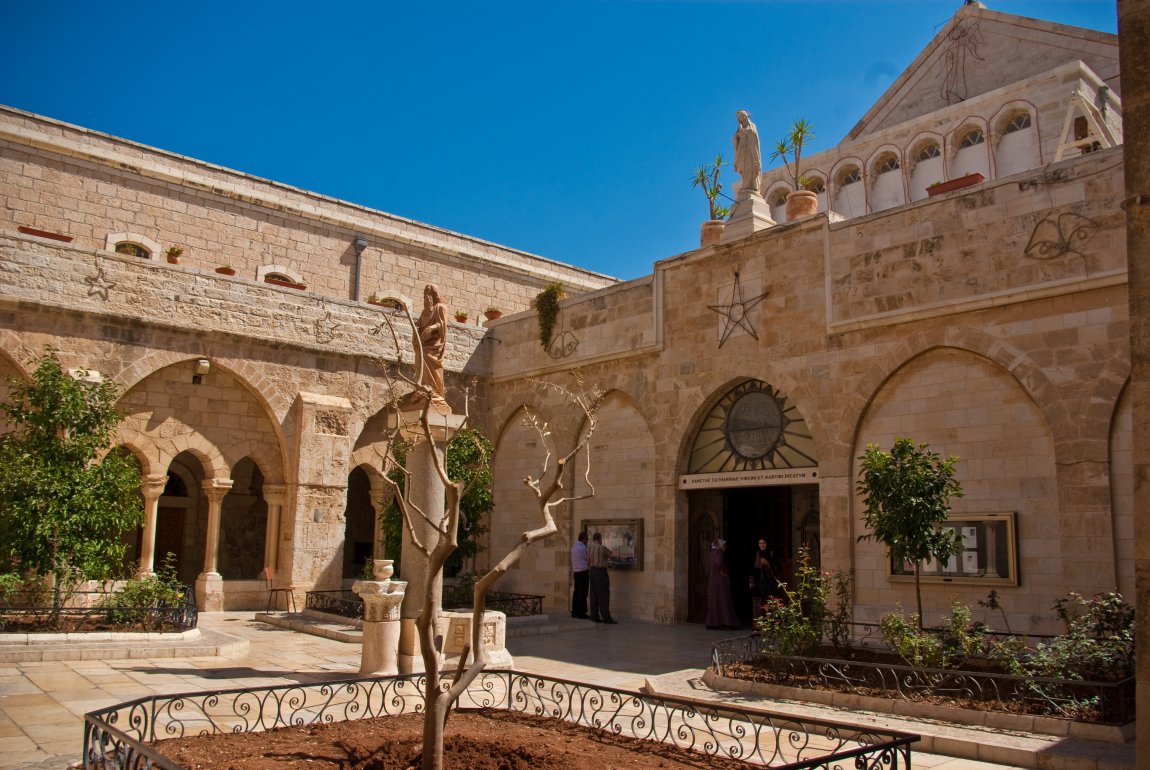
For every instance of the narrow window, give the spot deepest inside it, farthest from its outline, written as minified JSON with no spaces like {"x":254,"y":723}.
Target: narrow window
{"x":890,"y":163}
{"x":971,"y":138}
{"x":1019,"y":122}
{"x":133,"y":250}
{"x":929,"y":151}
{"x":850,"y":176}
{"x":815,"y":185}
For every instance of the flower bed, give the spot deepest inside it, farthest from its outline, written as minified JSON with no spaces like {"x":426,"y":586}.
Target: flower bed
{"x":122,"y":736}
{"x":874,"y":673}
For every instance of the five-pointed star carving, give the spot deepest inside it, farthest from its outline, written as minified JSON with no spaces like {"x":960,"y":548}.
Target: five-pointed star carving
{"x":325,"y":328}
{"x":99,"y":285}
{"x":736,"y":312}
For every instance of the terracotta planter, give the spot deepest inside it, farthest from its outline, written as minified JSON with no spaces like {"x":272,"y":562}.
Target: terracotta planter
{"x":711,"y":232}
{"x":460,"y":318}
{"x":801,"y":203}
{"x":173,"y":260}
{"x":287,"y":284}
{"x":491,"y":315}
{"x":226,"y":270}
{"x":954,"y":184}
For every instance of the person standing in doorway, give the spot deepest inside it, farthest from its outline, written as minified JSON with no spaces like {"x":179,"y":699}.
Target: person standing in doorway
{"x":580,"y":571}
{"x":597,"y":556}
{"x":720,"y":606}
{"x":764,"y":580}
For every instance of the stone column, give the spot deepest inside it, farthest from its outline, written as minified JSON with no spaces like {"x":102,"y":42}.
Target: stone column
{"x":1134,"y":61}
{"x":425,"y":490}
{"x":209,"y":584}
{"x":151,"y":488}
{"x":381,"y":624}
{"x":274,"y":496}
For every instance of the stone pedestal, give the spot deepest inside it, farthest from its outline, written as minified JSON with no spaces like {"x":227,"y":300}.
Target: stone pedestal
{"x":381,"y":625}
{"x":425,"y":490}
{"x":456,"y":629}
{"x":750,"y":214}
{"x":210,"y":592}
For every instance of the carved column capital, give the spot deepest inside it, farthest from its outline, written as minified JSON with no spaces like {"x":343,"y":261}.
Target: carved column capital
{"x":275,"y":494}
{"x":215,"y":489}
{"x":152,"y":486}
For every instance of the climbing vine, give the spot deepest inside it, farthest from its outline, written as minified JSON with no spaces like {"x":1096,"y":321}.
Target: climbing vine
{"x":547,"y":306}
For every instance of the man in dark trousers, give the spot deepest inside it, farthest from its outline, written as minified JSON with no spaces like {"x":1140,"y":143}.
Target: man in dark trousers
{"x":597,"y":555}
{"x":579,"y":569}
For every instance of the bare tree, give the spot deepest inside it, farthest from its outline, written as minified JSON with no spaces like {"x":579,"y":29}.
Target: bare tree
{"x":441,"y":529}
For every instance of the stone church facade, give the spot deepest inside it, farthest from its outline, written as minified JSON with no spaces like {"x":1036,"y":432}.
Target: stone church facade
{"x":742,"y":379}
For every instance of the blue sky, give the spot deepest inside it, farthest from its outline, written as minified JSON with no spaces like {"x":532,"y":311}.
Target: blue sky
{"x":567,"y":128}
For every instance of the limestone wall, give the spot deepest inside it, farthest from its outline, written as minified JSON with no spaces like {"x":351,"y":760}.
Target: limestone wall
{"x":930,"y":321}
{"x":86,"y":185}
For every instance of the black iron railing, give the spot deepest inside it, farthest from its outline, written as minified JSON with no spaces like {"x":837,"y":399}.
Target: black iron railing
{"x":180,"y":615}
{"x":348,"y":604}
{"x":1103,"y":702}
{"x":121,"y":736}
{"x":343,"y":603}
{"x":512,"y":605}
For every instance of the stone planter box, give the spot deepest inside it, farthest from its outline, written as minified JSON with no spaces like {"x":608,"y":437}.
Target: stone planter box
{"x":954,"y":184}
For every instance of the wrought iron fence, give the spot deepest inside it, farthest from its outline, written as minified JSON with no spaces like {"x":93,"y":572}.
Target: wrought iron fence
{"x":343,"y":603}
{"x":1102,"y":702}
{"x":349,"y":605}
{"x":513,"y":605}
{"x":181,"y":615}
{"x":122,"y":736}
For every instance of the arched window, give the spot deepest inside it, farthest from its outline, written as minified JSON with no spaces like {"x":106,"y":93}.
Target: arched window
{"x":133,"y":250}
{"x":815,"y":184}
{"x":278,"y":277}
{"x":889,"y":163}
{"x":778,"y":203}
{"x":971,"y":138}
{"x":928,"y":169}
{"x":850,"y":196}
{"x":886,"y":187}
{"x":1019,"y":122}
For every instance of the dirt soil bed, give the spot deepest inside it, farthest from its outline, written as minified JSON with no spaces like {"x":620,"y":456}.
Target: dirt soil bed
{"x":475,"y":740}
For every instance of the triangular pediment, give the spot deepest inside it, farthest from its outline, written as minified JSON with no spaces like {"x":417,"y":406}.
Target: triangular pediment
{"x":980,"y":50}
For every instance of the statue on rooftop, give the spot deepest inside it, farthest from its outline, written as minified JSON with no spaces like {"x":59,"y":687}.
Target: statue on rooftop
{"x":431,"y":344}
{"x":748,"y":161}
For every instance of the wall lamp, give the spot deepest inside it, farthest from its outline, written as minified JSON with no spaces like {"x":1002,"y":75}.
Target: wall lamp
{"x":203,"y":366}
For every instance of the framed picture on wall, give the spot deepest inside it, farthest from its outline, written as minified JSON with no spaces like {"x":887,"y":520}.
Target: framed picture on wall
{"x":623,"y":537}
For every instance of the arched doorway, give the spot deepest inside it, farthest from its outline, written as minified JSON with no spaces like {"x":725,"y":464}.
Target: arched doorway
{"x":752,"y":473}
{"x":359,"y":525}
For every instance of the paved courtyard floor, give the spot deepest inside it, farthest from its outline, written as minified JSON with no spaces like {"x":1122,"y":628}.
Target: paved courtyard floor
{"x":42,"y":704}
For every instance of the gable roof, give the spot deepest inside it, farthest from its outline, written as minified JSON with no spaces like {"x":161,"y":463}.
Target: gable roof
{"x":980,"y":50}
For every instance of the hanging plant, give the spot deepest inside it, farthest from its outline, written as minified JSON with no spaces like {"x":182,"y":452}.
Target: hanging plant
{"x":547,"y":306}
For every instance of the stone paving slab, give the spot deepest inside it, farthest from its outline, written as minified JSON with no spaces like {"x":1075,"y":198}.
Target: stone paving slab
{"x":43,"y":729}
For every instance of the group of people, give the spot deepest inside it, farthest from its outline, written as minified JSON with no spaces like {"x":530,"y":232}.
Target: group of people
{"x":763,"y":582}
{"x":589,"y":564}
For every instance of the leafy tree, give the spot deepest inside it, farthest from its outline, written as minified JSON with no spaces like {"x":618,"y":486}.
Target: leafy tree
{"x":65,"y":499}
{"x":466,"y":462}
{"x":907,"y":493}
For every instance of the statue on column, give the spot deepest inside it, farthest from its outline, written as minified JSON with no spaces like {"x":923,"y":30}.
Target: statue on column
{"x":748,"y":161}
{"x":430,"y":345}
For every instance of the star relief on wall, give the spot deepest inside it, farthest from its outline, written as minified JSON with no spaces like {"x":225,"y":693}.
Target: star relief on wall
{"x":99,"y":285}
{"x":737,"y":312}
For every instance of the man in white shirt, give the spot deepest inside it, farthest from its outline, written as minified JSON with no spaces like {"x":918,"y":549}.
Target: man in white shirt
{"x":582,"y":577}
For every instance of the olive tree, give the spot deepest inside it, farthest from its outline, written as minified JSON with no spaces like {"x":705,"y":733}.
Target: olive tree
{"x":65,"y":500}
{"x":907,"y":494}
{"x":441,"y":528}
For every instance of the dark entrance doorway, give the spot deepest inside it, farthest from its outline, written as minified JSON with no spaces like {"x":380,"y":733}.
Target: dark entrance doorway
{"x":741,"y":516}
{"x":753,"y":513}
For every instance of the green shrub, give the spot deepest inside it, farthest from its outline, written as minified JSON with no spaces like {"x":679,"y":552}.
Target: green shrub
{"x":947,"y":646}
{"x":1098,"y":643}
{"x":131,"y":604}
{"x":797,"y":624}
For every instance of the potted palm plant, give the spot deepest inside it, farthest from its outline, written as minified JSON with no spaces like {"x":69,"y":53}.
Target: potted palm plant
{"x":800,"y":202}
{"x":707,"y":177}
